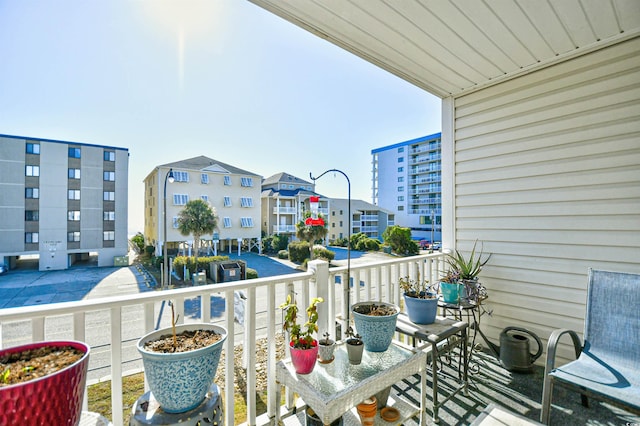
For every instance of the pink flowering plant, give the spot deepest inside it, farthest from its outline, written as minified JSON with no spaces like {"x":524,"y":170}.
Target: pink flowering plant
{"x":301,"y":335}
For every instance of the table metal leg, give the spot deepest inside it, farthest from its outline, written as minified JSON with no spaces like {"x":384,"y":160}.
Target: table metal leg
{"x":434,"y":372}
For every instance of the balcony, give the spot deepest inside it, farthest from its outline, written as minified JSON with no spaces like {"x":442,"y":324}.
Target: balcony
{"x":129,"y":317}
{"x":284,"y":229}
{"x":284,"y":210}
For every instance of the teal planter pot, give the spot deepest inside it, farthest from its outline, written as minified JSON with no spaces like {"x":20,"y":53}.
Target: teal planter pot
{"x":453,"y":293}
{"x":421,"y":311}
{"x":179,"y":381}
{"x":376,"y":331}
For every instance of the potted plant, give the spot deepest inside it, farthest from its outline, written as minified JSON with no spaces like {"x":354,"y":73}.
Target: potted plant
{"x":420,"y":299}
{"x":302,"y":345}
{"x":355,"y":346}
{"x":43,"y":380}
{"x":376,"y":323}
{"x":326,"y":347}
{"x":180,"y":362}
{"x":461,"y":280}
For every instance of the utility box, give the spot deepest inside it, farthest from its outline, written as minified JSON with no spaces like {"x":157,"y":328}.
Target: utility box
{"x":121,"y":261}
{"x":230,"y":272}
{"x":199,"y":278}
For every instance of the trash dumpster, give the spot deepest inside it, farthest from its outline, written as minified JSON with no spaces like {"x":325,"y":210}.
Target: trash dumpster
{"x":199,"y":278}
{"x":230,"y":272}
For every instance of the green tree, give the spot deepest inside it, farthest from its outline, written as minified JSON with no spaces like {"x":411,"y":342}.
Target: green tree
{"x":138,"y":240}
{"x":399,"y":239}
{"x":197,"y":218}
{"x":311,"y":233}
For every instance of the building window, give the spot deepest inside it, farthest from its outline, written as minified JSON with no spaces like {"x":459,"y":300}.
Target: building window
{"x":400,"y":197}
{"x":73,"y":215}
{"x":401,"y":149}
{"x":333,"y":212}
{"x":400,"y":159}
{"x":31,"y":237}
{"x":109,"y":176}
{"x":180,"y":199}
{"x":227,"y":201}
{"x":400,"y":169}
{"x":400,"y":208}
{"x":400,"y":178}
{"x":74,"y":174}
{"x":227,"y":180}
{"x":227,"y":222}
{"x":246,"y":181}
{"x":246,"y":222}
{"x":204,"y":198}
{"x":74,"y":152}
{"x":246,"y":202}
{"x":109,"y":196}
{"x":340,"y":223}
{"x":73,"y":237}
{"x":204,"y":178}
{"x":109,"y":235}
{"x":32,"y":193}
{"x":32,"y":215}
{"x":181,"y":176}
{"x":109,"y":156}
{"x":32,"y":170}
{"x":33,"y":148}
{"x":401,"y":189}
{"x":109,"y":215}
{"x":175,"y":222}
{"x":73,"y":194}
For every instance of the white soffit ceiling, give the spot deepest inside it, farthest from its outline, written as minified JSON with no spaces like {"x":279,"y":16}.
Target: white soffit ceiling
{"x":452,"y":47}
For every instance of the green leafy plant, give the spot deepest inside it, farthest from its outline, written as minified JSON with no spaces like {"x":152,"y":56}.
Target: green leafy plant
{"x":418,"y":289}
{"x":354,"y":338}
{"x":301,"y":335}
{"x":4,"y":377}
{"x":465,"y":268}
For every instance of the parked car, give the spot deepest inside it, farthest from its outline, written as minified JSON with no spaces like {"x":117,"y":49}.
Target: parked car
{"x":3,"y":269}
{"x":436,"y":246}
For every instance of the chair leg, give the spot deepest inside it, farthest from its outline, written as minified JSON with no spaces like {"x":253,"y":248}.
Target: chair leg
{"x":547,"y":390}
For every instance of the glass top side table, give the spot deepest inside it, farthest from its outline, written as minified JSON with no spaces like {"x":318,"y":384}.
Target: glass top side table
{"x":332,"y":389}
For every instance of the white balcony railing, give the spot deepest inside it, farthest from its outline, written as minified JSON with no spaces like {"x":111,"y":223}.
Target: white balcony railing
{"x":126,"y":318}
{"x":285,"y":210}
{"x":278,"y":229}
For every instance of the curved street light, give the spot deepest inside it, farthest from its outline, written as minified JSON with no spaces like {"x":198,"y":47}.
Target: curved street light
{"x":165,"y":260}
{"x":346,"y":285}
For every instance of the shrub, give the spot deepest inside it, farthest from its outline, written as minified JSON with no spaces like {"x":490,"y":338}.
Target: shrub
{"x":251,"y":273}
{"x":320,"y":252}
{"x":149,"y":250}
{"x":298,"y":251}
{"x":371,"y":244}
{"x":279,"y":242}
{"x":283,"y":254}
{"x":340,"y":242}
{"x":192,"y":266}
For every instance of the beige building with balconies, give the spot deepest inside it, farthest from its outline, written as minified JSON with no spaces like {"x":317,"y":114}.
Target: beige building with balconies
{"x":62,"y":202}
{"x":365,"y":217}
{"x":234,"y":193}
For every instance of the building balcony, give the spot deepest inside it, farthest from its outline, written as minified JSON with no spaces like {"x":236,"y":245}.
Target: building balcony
{"x":112,"y":326}
{"x":284,"y":229}
{"x":285,"y":210}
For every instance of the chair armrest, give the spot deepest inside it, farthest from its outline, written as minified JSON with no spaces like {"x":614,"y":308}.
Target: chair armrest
{"x":552,"y":346}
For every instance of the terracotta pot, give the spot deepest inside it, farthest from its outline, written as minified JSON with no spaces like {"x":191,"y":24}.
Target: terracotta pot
{"x":304,"y":360}
{"x":57,"y":396}
{"x":367,"y":411}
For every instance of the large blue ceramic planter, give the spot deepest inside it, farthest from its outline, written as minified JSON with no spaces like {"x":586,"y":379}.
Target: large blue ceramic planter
{"x":179,"y":381}
{"x":421,"y":311}
{"x":376,"y":331}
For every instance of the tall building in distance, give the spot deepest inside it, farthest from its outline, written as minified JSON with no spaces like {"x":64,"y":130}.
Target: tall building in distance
{"x":234,"y":193}
{"x":62,"y":202}
{"x":407,"y":181}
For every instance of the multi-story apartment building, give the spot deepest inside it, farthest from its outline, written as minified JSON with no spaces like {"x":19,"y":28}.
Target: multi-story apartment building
{"x":233,"y":193}
{"x":365,"y":217}
{"x":62,"y":201}
{"x":285,"y":198}
{"x":407,"y":182}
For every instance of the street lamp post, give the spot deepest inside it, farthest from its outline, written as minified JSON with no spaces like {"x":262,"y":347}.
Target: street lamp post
{"x":346,"y":285}
{"x":165,"y":259}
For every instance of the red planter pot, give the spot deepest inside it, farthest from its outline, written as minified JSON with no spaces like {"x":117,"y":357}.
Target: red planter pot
{"x":53,"y":399}
{"x":304,"y":360}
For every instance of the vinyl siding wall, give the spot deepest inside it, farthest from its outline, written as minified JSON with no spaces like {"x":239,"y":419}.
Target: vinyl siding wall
{"x":547,"y":175}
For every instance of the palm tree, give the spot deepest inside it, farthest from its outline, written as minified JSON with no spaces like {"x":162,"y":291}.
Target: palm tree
{"x":311,"y":233}
{"x":197,"y":218}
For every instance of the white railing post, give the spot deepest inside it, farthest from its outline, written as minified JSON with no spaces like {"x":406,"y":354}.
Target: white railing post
{"x":319,"y":284}
{"x":229,"y":367}
{"x":250,"y":354}
{"x":116,"y":366}
{"x":272,"y":403}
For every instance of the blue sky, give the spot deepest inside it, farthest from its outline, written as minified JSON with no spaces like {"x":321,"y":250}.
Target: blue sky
{"x":171,"y":80}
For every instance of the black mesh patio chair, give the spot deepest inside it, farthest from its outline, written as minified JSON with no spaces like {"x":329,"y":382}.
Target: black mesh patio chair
{"x":608,"y":363}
